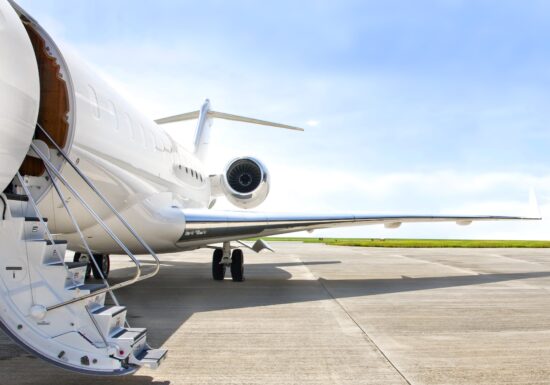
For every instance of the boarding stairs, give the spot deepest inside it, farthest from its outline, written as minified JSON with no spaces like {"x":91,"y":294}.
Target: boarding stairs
{"x":45,"y":303}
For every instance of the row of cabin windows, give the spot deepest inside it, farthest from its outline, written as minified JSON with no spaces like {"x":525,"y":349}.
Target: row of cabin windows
{"x":152,"y":138}
{"x":194,"y":174}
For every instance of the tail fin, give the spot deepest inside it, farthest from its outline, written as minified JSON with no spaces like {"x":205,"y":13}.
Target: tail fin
{"x":205,"y":115}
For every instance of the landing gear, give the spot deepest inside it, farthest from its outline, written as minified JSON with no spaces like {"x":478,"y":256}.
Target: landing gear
{"x":79,"y":257}
{"x":102,"y":260}
{"x":218,"y":268}
{"x":104,"y":263}
{"x":237,"y":265}
{"x":223,"y":258}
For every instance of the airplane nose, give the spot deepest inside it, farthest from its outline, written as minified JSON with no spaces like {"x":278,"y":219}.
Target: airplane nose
{"x":19,"y":93}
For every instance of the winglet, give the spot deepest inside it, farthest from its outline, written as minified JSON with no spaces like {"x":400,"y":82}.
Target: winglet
{"x":534,"y":209}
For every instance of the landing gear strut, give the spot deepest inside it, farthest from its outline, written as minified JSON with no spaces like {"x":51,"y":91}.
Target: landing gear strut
{"x":102,"y":260}
{"x":223,"y":258}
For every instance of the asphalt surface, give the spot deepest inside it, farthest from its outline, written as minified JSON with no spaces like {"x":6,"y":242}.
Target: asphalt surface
{"x":315,"y":314}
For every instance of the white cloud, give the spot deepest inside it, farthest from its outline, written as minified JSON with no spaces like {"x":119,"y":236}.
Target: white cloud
{"x":312,"y":123}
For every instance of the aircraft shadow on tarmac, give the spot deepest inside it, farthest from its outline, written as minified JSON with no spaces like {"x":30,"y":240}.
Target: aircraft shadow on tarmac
{"x":185,"y":288}
{"x":164,"y":303}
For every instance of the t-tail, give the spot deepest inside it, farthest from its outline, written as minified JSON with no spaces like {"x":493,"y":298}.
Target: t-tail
{"x":205,"y":118}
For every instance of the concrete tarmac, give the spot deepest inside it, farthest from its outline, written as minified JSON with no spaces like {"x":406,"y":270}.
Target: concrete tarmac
{"x":316,"y":314}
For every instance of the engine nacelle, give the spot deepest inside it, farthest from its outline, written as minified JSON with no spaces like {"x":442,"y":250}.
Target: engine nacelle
{"x":245,"y":182}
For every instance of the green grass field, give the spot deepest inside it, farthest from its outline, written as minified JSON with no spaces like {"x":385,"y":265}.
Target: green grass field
{"x":415,"y":243}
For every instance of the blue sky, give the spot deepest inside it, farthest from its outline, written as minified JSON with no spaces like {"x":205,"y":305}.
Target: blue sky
{"x":410,"y":107}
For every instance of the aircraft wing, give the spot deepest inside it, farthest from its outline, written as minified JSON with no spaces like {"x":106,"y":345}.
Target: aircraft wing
{"x":209,"y":226}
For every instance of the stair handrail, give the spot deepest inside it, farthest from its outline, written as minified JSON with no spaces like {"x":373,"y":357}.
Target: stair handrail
{"x":102,"y":197}
{"x":83,"y":239}
{"x":138,"y":276}
{"x":106,"y":228}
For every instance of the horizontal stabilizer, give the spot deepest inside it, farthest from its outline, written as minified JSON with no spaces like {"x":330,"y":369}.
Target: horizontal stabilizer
{"x":222,"y":115}
{"x":179,"y":118}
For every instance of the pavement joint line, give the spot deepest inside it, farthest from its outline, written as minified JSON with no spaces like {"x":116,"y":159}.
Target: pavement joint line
{"x":448,"y":266}
{"x":474,"y":272}
{"x":365,"y":334}
{"x":516,"y":259}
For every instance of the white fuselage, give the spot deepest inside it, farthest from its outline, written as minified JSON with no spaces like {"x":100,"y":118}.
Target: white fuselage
{"x":52,"y":100}
{"x":147,"y":176}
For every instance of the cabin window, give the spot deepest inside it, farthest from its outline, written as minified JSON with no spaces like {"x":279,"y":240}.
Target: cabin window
{"x":140,"y":135}
{"x":158,"y":143}
{"x":143,"y":135}
{"x":132,"y":128}
{"x":126,"y":126}
{"x":150,"y":139}
{"x":112,"y":111}
{"x":166,"y":143}
{"x":94,"y":102}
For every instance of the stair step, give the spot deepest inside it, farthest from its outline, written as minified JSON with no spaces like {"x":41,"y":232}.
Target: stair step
{"x":69,"y":265}
{"x":131,"y":334}
{"x":110,"y":319}
{"x":109,"y":310}
{"x":35,"y":219}
{"x":151,"y":358}
{"x":72,"y":273}
{"x":130,"y":341}
{"x":56,"y":242}
{"x":19,"y":206}
{"x":34,"y":229}
{"x":88,"y":287}
{"x":45,"y":252}
{"x":16,"y":197}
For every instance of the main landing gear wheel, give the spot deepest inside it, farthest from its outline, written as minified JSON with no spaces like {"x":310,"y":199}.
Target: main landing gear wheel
{"x":102,"y":260}
{"x":104,"y":263}
{"x":237,"y":265}
{"x":218,"y":269}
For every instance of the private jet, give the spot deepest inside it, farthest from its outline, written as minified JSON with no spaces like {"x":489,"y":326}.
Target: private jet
{"x":83,"y":170}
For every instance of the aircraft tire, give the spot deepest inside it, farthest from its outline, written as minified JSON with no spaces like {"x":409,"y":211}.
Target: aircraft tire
{"x":218,"y":270}
{"x":104,"y":263}
{"x":237,"y":265}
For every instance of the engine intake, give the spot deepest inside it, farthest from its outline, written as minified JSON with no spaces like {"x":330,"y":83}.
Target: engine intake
{"x":245,"y":182}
